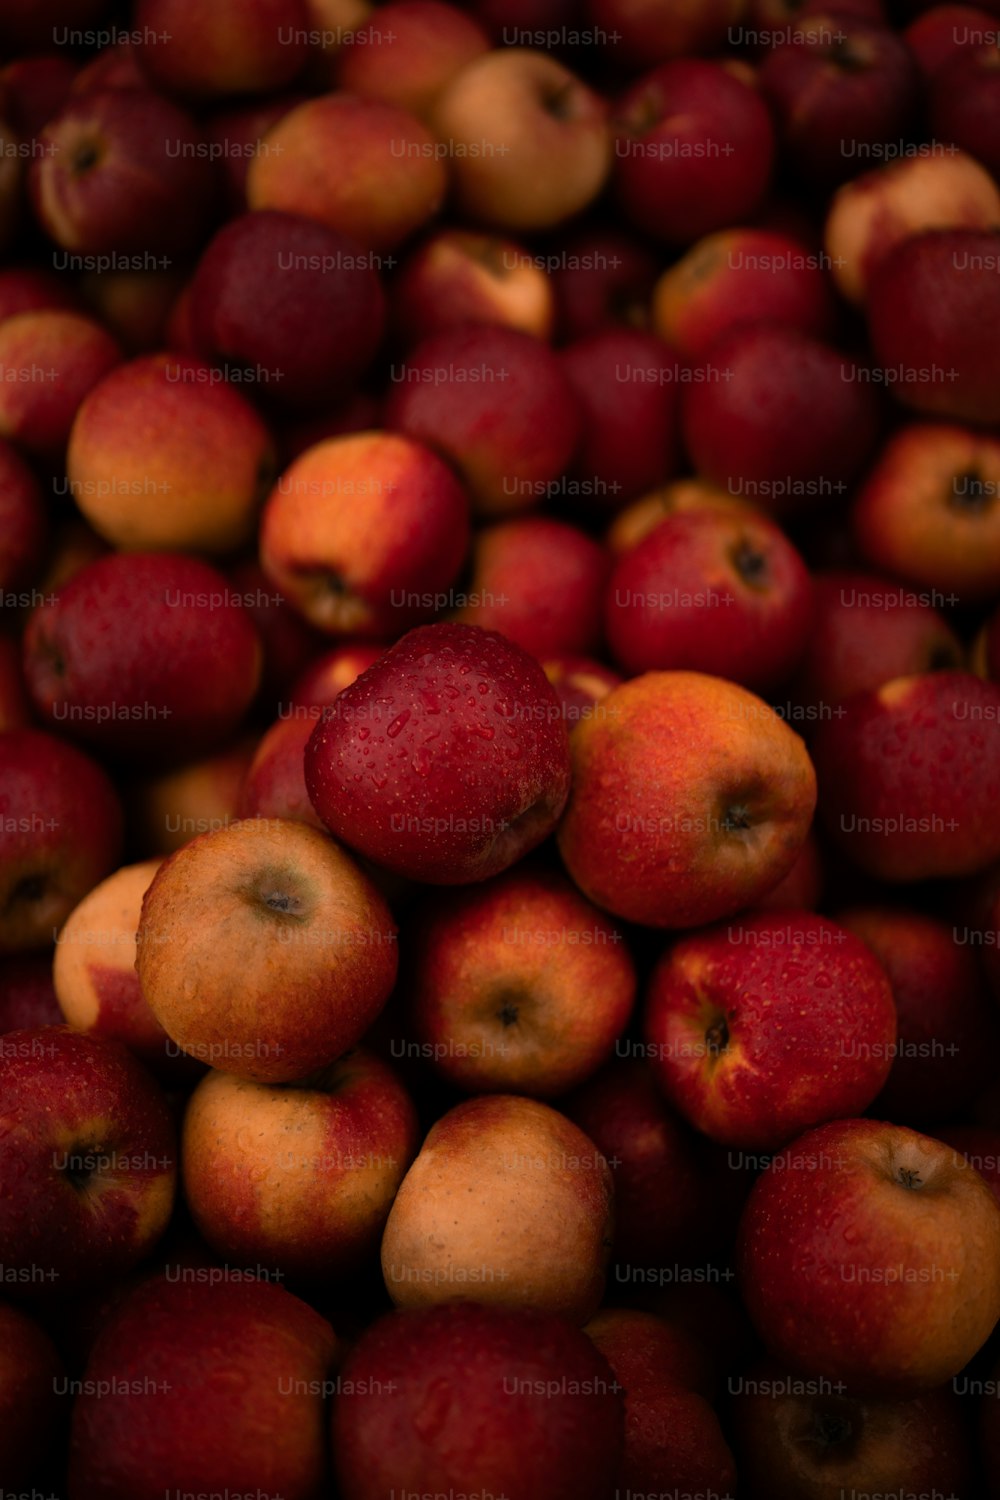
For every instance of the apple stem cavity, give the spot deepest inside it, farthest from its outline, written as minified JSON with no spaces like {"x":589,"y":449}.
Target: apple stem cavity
{"x":750,"y":563}
{"x":717,"y":1037}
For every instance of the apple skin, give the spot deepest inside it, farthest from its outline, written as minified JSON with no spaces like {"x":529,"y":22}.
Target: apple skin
{"x":627,"y":385}
{"x":529,"y":142}
{"x":169,"y":427}
{"x":364,"y":533}
{"x":874,"y":212}
{"x":919,"y":815}
{"x":27,"y":993}
{"x":233,"y":48}
{"x":839,"y":81}
{"x":603,"y":277}
{"x":490,"y":773}
{"x":290,"y":295}
{"x":947,"y":1027}
{"x":263,"y":947}
{"x":113,"y":67}
{"x":52,"y":360}
{"x":690,"y":799}
{"x":397,"y":179}
{"x":518,"y":984}
{"x":673,"y":1439}
{"x":238,"y":133}
{"x":933,"y":309}
{"x":288,"y":642}
{"x":794,"y":1442}
{"x":143,"y":654}
{"x":60,"y":833}
{"x":30,"y":1372}
{"x":34,"y":90}
{"x":631,"y":525}
{"x":320,"y":683}
{"x":539,"y":582}
{"x":847,"y":1278}
{"x":537,"y":1221}
{"x":694,"y":148}
{"x":26,"y":288}
{"x":23,"y":521}
{"x":739,"y":276}
{"x":780,"y":418}
{"x":167,"y":810}
{"x":464,"y":276}
{"x":645,"y":32}
{"x":768,"y":1026}
{"x":88,"y":1141}
{"x":275,"y":783}
{"x":238,"y":1369}
{"x":868,"y":629}
{"x":122,"y":171}
{"x":711,"y":591}
{"x":581,"y":684}
{"x":964,"y":105}
{"x":410,"y":53}
{"x":979,"y":1145}
{"x":486,"y":1372}
{"x":944,"y":32}
{"x":802,"y":887}
{"x":497,"y":405}
{"x":301,"y":1178}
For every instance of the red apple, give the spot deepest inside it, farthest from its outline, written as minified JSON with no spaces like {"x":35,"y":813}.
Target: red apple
{"x":35,"y":89}
{"x":60,"y":833}
{"x":27,"y":993}
{"x":275,"y":782}
{"x":945,"y":32}
{"x":49,"y":361}
{"x":23,"y":525}
{"x":320,"y":683}
{"x":288,"y":642}
{"x":87,"y":1151}
{"x":409,"y":53}
{"x":446,"y":761}
{"x":602,"y":278}
{"x":144,"y":653}
{"x":31,"y":1374}
{"x":463,"y":276}
{"x":236,"y":137}
{"x":485,"y":1373}
{"x":581,"y":684}
{"x":965,"y":102}
{"x":868,"y":1255}
{"x":644,"y":32}
{"x":26,"y":288}
{"x":231,"y":48}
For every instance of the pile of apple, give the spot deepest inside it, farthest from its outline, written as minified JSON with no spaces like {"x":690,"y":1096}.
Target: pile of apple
{"x":499,"y":749}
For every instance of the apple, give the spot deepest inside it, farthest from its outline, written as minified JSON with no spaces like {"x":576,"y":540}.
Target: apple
{"x":979,"y":1146}
{"x":947,"y":1027}
{"x":115,"y":66}
{"x":23,"y":522}
{"x":30,"y":1376}
{"x":144,"y":653}
{"x":32,"y":288}
{"x":319,"y":684}
{"x":768,"y":1026}
{"x":933,"y":320}
{"x":711,"y":591}
{"x":122,"y":172}
{"x":87,"y":1152}
{"x":49,"y":360}
{"x":694,"y":148}
{"x":27,"y":993}
{"x":739,"y":276}
{"x":876,"y":211}
{"x":518,"y":984}
{"x":673,"y":1439}
{"x":795,"y":1438}
{"x":365,"y":534}
{"x":964,"y":104}
{"x":843,"y":90}
{"x":868,"y":629}
{"x":536,"y":1220}
{"x":397,"y":179}
{"x":274,"y":785}
{"x":446,"y":761}
{"x":263,"y":948}
{"x":909,"y":775}
{"x":60,"y":833}
{"x":539,"y":582}
{"x":165,"y":455}
{"x":644,"y":32}
{"x":35,"y":89}
{"x":802,"y":887}
{"x":602,"y":277}
{"x":203,"y":1384}
{"x":632,"y":524}
{"x":429,"y":1398}
{"x":691,"y":798}
{"x":298,"y":1176}
{"x":27,"y":25}
{"x":779,"y":417}
{"x":288,"y":643}
{"x":626,"y":384}
{"x":290,"y":295}
{"x":868,"y":1255}
{"x":168,"y":808}
{"x":527,"y":141}
{"x":236,"y":135}
{"x":466,"y":276}
{"x":15,"y":711}
{"x":410,"y":53}
{"x":938,"y":35}
{"x":232,"y":48}
{"x":497,"y":405}
{"x":580,"y":683}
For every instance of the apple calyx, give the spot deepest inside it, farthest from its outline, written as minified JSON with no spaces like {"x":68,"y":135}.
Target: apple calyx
{"x":86,"y":155}
{"x":736,"y":818}
{"x":750,"y":563}
{"x":278,"y":894}
{"x":831,"y":1427}
{"x":80,"y":1167}
{"x":717,"y":1037}
{"x":559,"y":101}
{"x":850,"y":54}
{"x":909,"y":1178}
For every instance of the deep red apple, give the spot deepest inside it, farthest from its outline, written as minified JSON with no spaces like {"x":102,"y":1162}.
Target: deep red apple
{"x":965,"y":103}
{"x":31,"y":1374}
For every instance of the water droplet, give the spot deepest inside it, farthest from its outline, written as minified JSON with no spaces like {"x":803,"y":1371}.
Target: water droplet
{"x":399,"y":723}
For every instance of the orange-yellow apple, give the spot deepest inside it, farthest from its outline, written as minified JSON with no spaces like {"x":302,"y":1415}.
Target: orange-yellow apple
{"x":299,"y":1176}
{"x":690,"y":799}
{"x":392,"y":178}
{"x":769,"y":1025}
{"x":166,"y":455}
{"x":528,"y":142}
{"x":167,"y":811}
{"x":264,"y":950}
{"x":869,"y":1254}
{"x":87,"y":1156}
{"x":535,"y":1224}
{"x":364,"y":533}
{"x":30,"y":1371}
{"x":518,"y":985}
{"x":872,"y":213}
{"x":409,"y":53}
{"x":49,"y":361}
{"x":927,"y":511}
{"x":464,"y":276}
